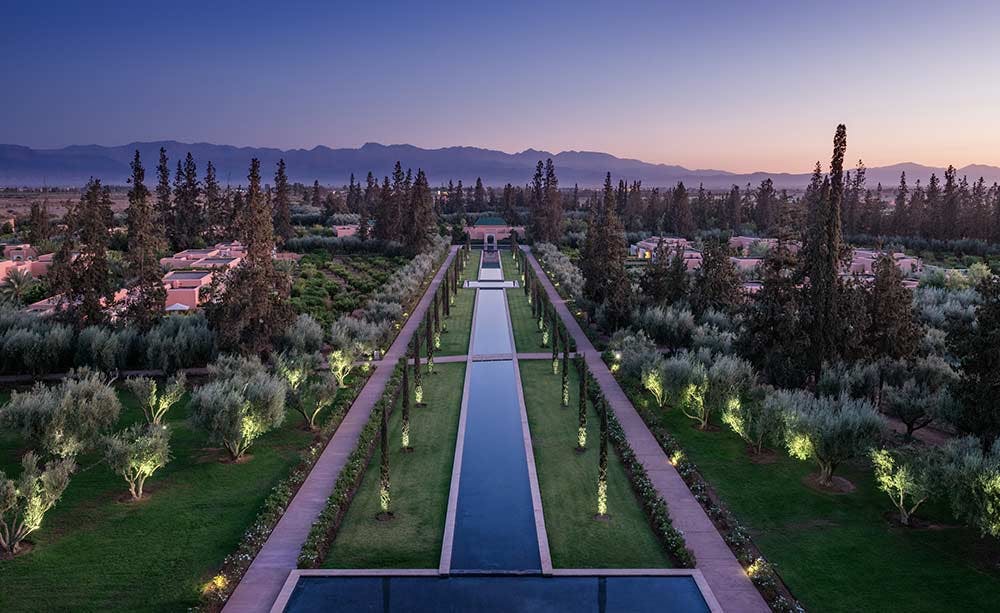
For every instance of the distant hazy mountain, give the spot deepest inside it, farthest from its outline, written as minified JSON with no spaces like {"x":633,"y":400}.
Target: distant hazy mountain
{"x":74,"y":165}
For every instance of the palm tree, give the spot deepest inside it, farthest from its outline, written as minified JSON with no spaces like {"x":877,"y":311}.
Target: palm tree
{"x":16,"y":285}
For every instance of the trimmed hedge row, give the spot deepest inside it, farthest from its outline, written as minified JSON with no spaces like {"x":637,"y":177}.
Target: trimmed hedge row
{"x":654,"y":505}
{"x":237,"y":563}
{"x":324,"y":530}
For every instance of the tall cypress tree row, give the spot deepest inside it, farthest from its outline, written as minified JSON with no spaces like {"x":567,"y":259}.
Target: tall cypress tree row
{"x":429,"y":337}
{"x":282,"y":208}
{"x":187,"y":209}
{"x":145,"y":304}
{"x":217,"y":214}
{"x":554,"y":324}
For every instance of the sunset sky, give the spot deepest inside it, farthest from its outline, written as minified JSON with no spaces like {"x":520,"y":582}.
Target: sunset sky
{"x":739,"y":86}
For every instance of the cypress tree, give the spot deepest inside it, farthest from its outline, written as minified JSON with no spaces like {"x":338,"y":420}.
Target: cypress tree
{"x":317,"y":199}
{"x":283,"y":205}
{"x":418,"y":385}
{"x":553,"y":204}
{"x":581,"y":433}
{"x":84,"y":283}
{"x":187,"y":210}
{"x":385,"y":496}
{"x":164,"y":208}
{"x":405,"y":421}
{"x":437,"y":323}
{"x":565,"y":371}
{"x":602,"y":466}
{"x":894,"y":331}
{"x":555,"y":342}
{"x":145,"y":303}
{"x":825,"y":251}
{"x":39,"y":223}
{"x":429,"y":337}
{"x":419,"y":214}
{"x":479,"y":196}
{"x":217,"y":217}
{"x":717,"y":282}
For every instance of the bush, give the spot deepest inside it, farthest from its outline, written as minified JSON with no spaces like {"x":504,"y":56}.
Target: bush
{"x":136,"y":453}
{"x":66,"y":419}
{"x":242,"y":403}
{"x":671,"y":326}
{"x":24,"y":502}
{"x":829,"y":430}
{"x":759,"y":419}
{"x":305,"y":335}
{"x":633,"y":352}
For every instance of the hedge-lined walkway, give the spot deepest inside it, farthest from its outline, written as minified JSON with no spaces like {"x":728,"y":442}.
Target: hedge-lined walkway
{"x":263,"y":580}
{"x":716,"y":561}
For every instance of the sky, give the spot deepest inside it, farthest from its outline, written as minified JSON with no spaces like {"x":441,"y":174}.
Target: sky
{"x":738,"y":85}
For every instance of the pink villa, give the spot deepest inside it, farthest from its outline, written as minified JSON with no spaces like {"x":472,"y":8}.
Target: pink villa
{"x":347,"y":230}
{"x":185,"y":287}
{"x":492,"y":230}
{"x":24,"y":257}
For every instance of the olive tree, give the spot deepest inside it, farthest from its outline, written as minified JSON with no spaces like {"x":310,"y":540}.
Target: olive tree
{"x":341,"y":364}
{"x":65,"y":419}
{"x":155,"y":402}
{"x":758,"y":419}
{"x":241,"y":403}
{"x":972,"y":480}
{"x":136,"y":453}
{"x":730,"y":379}
{"x":25,"y":501}
{"x":916,"y":404}
{"x":305,"y":335}
{"x":308,"y":393}
{"x":830,"y":429}
{"x":908,"y":475}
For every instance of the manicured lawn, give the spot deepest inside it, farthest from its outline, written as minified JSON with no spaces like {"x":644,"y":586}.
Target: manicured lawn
{"x":456,"y":340}
{"x":838,"y":552}
{"x":420,"y":484}
{"x":471,"y":272}
{"x":568,"y":483}
{"x":94,"y":553}
{"x":527,"y":338}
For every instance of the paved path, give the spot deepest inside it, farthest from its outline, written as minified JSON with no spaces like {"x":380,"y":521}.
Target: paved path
{"x":716,"y":561}
{"x":263,"y":580}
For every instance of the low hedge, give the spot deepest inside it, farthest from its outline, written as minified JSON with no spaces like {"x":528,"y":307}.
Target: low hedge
{"x":652,"y":502}
{"x":324,"y":530}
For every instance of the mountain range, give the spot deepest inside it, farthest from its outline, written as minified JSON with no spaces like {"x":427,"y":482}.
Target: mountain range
{"x":74,"y":165}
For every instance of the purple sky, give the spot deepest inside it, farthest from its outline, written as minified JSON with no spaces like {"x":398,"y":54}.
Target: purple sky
{"x":734,"y":85}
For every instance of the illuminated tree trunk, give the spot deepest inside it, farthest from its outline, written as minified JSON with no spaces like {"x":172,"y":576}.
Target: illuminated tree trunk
{"x":565,"y":372}
{"x":385,"y":498}
{"x":581,"y":436}
{"x":418,"y":386}
{"x":602,"y":468}
{"x":405,"y":422}
{"x":555,"y":343}
{"x":429,"y":337}
{"x":437,"y":314}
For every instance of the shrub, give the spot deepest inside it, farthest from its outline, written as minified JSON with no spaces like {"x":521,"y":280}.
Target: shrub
{"x":632,"y":351}
{"x":759,"y":420}
{"x":670,"y":325}
{"x":972,"y":480}
{"x":65,"y":419}
{"x":305,"y":335}
{"x":24,"y":502}
{"x":153,"y":402}
{"x":829,"y":429}
{"x":136,"y":453}
{"x":908,"y":475}
{"x":240,"y":404}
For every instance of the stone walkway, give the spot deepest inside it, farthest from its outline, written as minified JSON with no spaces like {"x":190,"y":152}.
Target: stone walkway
{"x":263,"y":580}
{"x":716,"y":561}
